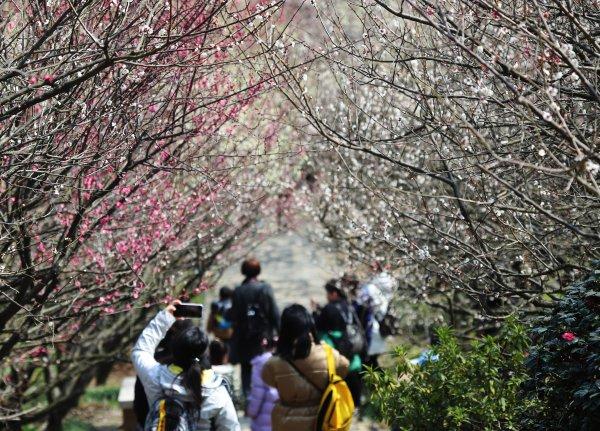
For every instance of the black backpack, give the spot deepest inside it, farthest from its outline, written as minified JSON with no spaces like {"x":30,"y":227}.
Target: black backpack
{"x":171,"y":413}
{"x":168,"y":414}
{"x":388,"y":324}
{"x":257,"y":322}
{"x":353,"y":340}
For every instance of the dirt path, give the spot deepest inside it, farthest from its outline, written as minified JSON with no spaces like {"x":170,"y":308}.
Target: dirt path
{"x":296,"y":268}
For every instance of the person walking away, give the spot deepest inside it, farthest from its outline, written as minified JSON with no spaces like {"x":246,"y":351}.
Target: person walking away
{"x":186,"y":394}
{"x":375,"y":296}
{"x":254,"y":316}
{"x":338,"y":326}
{"x":299,"y":372}
{"x":349,"y":286}
{"x":218,"y":322}
{"x":164,"y":355}
{"x":262,"y":397}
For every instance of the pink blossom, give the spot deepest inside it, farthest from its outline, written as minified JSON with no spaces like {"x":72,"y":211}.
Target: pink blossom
{"x":122,"y":247}
{"x":41,"y":247}
{"x":39,"y":351}
{"x":32,"y":80}
{"x":568,"y":336}
{"x":49,"y":79}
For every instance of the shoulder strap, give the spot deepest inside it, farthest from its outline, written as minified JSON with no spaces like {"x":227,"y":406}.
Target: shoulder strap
{"x":256,"y":293}
{"x":346,"y":317}
{"x":304,"y":377}
{"x":330,"y":361}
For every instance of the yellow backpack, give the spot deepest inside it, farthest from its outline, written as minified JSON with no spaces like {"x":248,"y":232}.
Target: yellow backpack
{"x":337,"y":405}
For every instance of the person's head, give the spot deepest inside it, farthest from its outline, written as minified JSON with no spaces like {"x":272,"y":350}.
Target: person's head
{"x":268,"y":343}
{"x":349,"y":283}
{"x":218,"y":352}
{"x":297,"y":333}
{"x":163,"y":353}
{"x":225,"y":293}
{"x":434,"y":339}
{"x":376,"y":266}
{"x":251,"y":268}
{"x":190,"y":352}
{"x":333,"y":289}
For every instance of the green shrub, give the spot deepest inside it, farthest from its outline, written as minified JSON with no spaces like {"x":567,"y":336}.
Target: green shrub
{"x":564,"y":362}
{"x":101,"y":395}
{"x":465,"y":389}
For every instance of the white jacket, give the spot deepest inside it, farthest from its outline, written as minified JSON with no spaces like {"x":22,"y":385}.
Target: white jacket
{"x":160,"y":380}
{"x":376,"y":294}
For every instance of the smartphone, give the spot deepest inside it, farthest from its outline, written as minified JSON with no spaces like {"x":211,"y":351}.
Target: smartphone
{"x":187,"y":309}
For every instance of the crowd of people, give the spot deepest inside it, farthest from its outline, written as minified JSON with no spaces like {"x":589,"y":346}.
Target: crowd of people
{"x":287,"y":360}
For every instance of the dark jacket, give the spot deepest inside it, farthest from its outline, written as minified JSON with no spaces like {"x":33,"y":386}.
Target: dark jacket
{"x":252,"y":291}
{"x":332,"y":326}
{"x":329,"y":318}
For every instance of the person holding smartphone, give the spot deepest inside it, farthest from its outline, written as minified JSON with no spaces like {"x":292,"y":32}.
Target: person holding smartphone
{"x":188,"y":383}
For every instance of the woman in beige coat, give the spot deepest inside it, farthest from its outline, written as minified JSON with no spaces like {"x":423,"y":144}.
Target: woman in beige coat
{"x":299,"y":372}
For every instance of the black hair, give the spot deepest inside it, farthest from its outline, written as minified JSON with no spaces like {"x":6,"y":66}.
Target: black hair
{"x":217,"y":352}
{"x":434,"y":338}
{"x":335,"y":286}
{"x":250,"y":268}
{"x":164,"y":351}
{"x":190,"y":352}
{"x":225,"y":292}
{"x":269,"y":343}
{"x":297,"y":327}
{"x":350,"y":282}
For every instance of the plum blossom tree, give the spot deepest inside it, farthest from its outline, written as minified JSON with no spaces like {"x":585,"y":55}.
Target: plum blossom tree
{"x":132,"y":149}
{"x":457,"y":141}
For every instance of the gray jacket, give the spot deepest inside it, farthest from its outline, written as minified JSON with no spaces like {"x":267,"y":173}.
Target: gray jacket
{"x":160,"y":380}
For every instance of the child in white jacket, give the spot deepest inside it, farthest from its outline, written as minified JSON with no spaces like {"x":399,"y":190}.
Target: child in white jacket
{"x":189,"y":379}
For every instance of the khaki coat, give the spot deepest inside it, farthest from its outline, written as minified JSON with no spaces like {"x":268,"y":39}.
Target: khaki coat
{"x":299,"y":400}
